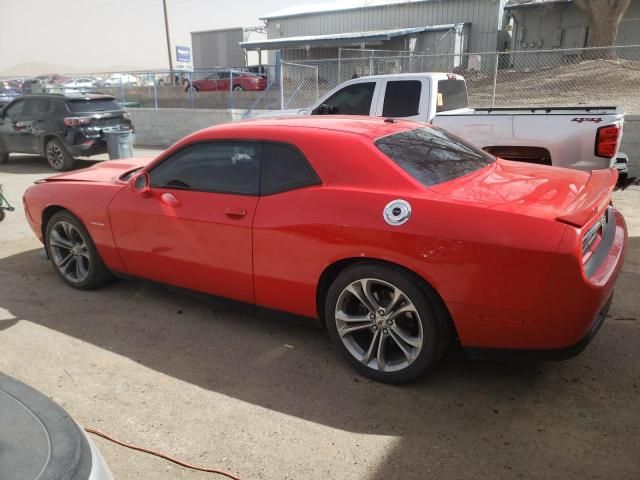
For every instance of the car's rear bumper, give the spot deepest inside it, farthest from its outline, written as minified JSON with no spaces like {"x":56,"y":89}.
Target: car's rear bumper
{"x":88,"y":148}
{"x":528,"y":355}
{"x":568,"y":314}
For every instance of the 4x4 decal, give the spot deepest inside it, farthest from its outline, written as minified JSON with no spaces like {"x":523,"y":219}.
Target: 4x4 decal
{"x":587,"y":119}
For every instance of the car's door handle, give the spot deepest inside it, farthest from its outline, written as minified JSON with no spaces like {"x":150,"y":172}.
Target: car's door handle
{"x":235,"y":212}
{"x":169,"y":199}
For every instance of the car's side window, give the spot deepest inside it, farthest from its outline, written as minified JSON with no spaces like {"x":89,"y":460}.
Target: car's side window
{"x":284,"y":168}
{"x":224,"y":167}
{"x":353,"y":99}
{"x":59,"y":107}
{"x":15,"y":110}
{"x":36,"y":107}
{"x":402,"y":98}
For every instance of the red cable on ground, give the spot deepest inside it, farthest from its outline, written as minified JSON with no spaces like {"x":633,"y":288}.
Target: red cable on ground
{"x":160,"y":454}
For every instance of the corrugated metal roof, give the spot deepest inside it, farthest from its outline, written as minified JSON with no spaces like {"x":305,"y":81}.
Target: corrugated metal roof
{"x":346,"y":38}
{"x":512,"y":4}
{"x":335,"y":7}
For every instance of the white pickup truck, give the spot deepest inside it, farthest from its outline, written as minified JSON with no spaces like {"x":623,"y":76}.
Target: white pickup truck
{"x":584,"y":138}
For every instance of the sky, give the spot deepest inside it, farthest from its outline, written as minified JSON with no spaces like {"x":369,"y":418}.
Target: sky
{"x":98,"y":35}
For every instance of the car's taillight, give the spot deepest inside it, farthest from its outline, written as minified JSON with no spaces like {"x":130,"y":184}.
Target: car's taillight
{"x":76,"y":121}
{"x":593,"y":236}
{"x":607,"y":141}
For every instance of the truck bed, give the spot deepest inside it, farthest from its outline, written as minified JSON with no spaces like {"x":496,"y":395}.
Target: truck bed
{"x":593,"y":110}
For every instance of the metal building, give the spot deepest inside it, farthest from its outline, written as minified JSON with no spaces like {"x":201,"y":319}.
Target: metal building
{"x":218,"y":48}
{"x":318,"y":31}
{"x":559,"y":24}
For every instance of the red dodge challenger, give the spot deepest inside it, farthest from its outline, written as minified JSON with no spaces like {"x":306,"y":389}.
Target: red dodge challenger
{"x":397,"y":236}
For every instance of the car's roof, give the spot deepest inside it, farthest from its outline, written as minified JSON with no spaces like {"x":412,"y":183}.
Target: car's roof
{"x":371,"y":127}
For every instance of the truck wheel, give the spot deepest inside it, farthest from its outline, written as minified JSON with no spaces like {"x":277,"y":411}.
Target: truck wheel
{"x":58,"y":157}
{"x":389,"y":326}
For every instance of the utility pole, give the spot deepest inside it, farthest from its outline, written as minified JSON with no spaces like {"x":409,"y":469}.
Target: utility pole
{"x":166,"y":29}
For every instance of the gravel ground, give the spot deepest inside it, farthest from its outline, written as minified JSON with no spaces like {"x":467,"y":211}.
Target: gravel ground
{"x":590,"y":82}
{"x":270,"y":399}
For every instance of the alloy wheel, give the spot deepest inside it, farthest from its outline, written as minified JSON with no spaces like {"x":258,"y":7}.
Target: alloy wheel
{"x":55,"y":155}
{"x":379,"y":325}
{"x":69,"y":251}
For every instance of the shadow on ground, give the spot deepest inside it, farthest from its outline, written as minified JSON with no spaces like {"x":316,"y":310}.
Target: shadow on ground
{"x":464,"y":416}
{"x":33,"y":164}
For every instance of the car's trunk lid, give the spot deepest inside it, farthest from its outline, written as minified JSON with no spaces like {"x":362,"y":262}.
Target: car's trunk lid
{"x":570,"y":196}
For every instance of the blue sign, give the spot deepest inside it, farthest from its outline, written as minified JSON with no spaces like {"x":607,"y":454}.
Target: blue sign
{"x":183,"y":54}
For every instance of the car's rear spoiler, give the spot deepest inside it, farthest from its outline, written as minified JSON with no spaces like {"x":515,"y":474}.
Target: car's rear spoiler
{"x":594,"y":197}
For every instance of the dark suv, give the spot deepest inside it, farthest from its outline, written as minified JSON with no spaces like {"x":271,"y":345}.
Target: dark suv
{"x":60,"y":127}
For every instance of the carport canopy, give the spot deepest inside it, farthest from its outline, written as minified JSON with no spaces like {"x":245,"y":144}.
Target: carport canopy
{"x":344,"y":39}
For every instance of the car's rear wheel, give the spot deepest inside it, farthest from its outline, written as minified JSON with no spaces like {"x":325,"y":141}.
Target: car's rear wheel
{"x":57,"y":156}
{"x":238,"y":88}
{"x":73,"y":254}
{"x":389,"y":325}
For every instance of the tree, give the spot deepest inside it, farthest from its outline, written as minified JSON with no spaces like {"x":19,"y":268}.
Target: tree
{"x":604,"y":19}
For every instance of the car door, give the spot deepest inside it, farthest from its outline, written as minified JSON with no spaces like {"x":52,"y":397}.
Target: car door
{"x":11,"y":123}
{"x":353,"y":99}
{"x":403,"y":98}
{"x":32,"y":124}
{"x":209,"y":84}
{"x":194,"y":230}
{"x":223,"y":82}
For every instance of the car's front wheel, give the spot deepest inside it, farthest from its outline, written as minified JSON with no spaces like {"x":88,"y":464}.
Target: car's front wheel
{"x":389,"y":325}
{"x":57,"y":156}
{"x":73,"y":254}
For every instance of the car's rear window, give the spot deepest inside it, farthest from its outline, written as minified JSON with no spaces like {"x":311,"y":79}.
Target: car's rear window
{"x":452,"y":94}
{"x":98,"y":105}
{"x":433,"y":156}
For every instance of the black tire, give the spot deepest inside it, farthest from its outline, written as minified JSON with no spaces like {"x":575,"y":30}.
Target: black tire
{"x":58,"y":156}
{"x":4,"y":157}
{"x":97,"y":273}
{"x":428,"y":319}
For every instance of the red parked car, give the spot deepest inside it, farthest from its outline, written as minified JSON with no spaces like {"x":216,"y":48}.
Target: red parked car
{"x":397,"y":236}
{"x":219,"y":81}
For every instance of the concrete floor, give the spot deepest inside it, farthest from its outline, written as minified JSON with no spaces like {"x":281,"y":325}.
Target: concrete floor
{"x":268,"y":399}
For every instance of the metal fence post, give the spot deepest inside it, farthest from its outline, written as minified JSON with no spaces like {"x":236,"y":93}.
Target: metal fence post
{"x":231,"y":87}
{"x":495,"y":81}
{"x":190,"y":90}
{"x":339,"y":64}
{"x":155,"y":90}
{"x":317,"y":85}
{"x":282,"y":85}
{"x":122,"y":89}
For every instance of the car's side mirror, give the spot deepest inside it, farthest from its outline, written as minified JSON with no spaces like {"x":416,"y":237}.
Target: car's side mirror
{"x":140,"y":183}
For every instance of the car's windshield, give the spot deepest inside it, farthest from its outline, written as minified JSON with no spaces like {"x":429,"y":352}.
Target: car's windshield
{"x":433,"y":156}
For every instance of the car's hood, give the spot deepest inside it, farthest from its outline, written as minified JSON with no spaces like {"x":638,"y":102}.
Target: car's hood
{"x":571,"y":196}
{"x":106,"y":171}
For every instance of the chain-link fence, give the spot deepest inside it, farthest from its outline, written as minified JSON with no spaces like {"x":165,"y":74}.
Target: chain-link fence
{"x":302,"y":84}
{"x":537,"y":78}
{"x":235,"y":88}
